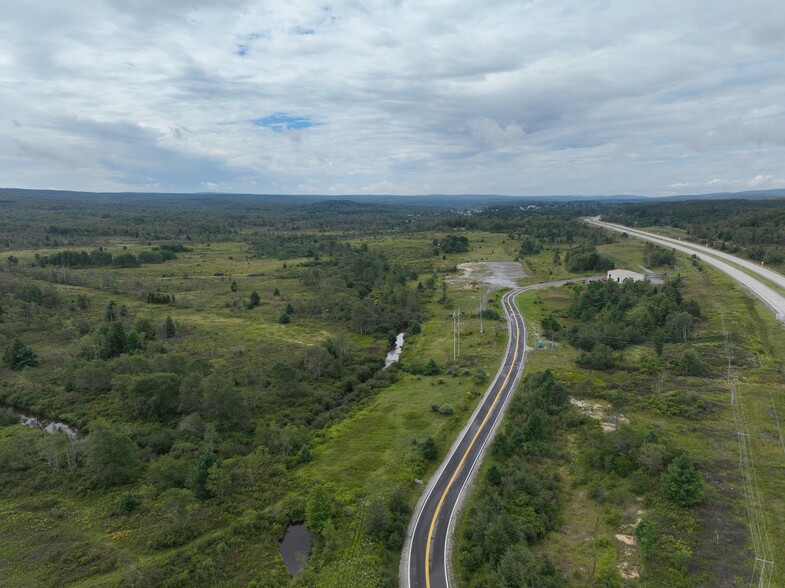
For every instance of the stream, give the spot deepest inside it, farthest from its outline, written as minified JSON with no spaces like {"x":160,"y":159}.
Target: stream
{"x":39,"y":422}
{"x":395,"y":353}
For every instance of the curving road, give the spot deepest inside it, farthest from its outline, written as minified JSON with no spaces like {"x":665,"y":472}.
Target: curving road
{"x":425,"y":558}
{"x":773,"y":299}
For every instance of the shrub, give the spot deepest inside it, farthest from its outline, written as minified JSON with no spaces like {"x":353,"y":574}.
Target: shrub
{"x":446,"y":410}
{"x":646,"y":532}
{"x":599,"y":358}
{"x":681,"y":482}
{"x":428,"y":449}
{"x":126,"y":505}
{"x":125,"y":260}
{"x":318,"y":508}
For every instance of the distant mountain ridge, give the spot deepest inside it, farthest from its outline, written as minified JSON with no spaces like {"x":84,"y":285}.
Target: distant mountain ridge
{"x":437,"y":200}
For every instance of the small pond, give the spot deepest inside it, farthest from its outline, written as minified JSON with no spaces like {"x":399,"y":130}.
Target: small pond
{"x":395,"y":353}
{"x":295,"y":547}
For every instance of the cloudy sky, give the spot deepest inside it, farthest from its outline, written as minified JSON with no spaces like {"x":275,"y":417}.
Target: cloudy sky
{"x":521,"y":97}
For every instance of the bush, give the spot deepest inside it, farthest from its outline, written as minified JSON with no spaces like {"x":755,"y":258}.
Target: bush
{"x":201,"y":473}
{"x":454,"y":244}
{"x":126,"y":505}
{"x":111,"y":456}
{"x":599,"y":358}
{"x":7,"y":418}
{"x":646,"y":532}
{"x":692,"y":365}
{"x":428,"y":449}
{"x":151,"y":257}
{"x":318,"y":508}
{"x":586,"y":259}
{"x":446,"y":410}
{"x":431,"y":368}
{"x":681,"y":482}
{"x":125,"y":260}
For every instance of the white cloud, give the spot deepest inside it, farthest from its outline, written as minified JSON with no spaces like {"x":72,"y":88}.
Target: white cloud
{"x":760,"y":180}
{"x":480,"y":96}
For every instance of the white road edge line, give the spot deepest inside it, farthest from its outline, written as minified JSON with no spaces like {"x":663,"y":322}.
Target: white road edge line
{"x":425,"y":496}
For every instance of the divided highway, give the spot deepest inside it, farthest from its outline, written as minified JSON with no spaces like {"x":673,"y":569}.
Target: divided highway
{"x":425,"y":558}
{"x":773,"y":299}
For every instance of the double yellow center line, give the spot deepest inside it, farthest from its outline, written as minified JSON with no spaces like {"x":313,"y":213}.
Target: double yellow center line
{"x":513,"y":315}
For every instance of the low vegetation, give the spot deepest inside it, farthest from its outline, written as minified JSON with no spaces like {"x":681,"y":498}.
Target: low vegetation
{"x":222,"y":362}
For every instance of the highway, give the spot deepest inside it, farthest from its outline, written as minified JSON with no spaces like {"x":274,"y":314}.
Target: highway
{"x":425,"y":557}
{"x":748,"y":266}
{"x":773,"y":299}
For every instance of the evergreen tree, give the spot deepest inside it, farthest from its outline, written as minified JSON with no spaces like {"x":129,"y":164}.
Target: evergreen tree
{"x":169,"y":330}
{"x":116,"y":341}
{"x":18,"y":356}
{"x":681,"y":482}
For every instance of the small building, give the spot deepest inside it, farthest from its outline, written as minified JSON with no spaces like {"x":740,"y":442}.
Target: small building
{"x":619,"y":275}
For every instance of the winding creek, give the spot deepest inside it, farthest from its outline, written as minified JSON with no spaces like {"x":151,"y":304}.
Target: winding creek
{"x":395,"y":352}
{"x":39,"y":422}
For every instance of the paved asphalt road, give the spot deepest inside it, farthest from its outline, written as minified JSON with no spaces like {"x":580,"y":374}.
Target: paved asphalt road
{"x":424,"y":559}
{"x":773,"y":299}
{"x":748,"y":266}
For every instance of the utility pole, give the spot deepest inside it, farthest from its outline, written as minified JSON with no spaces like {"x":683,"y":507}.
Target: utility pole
{"x":456,"y":334}
{"x":762,"y":570}
{"x":482,"y":304}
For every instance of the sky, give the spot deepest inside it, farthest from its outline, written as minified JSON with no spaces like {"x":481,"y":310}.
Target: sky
{"x":518,"y":97}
